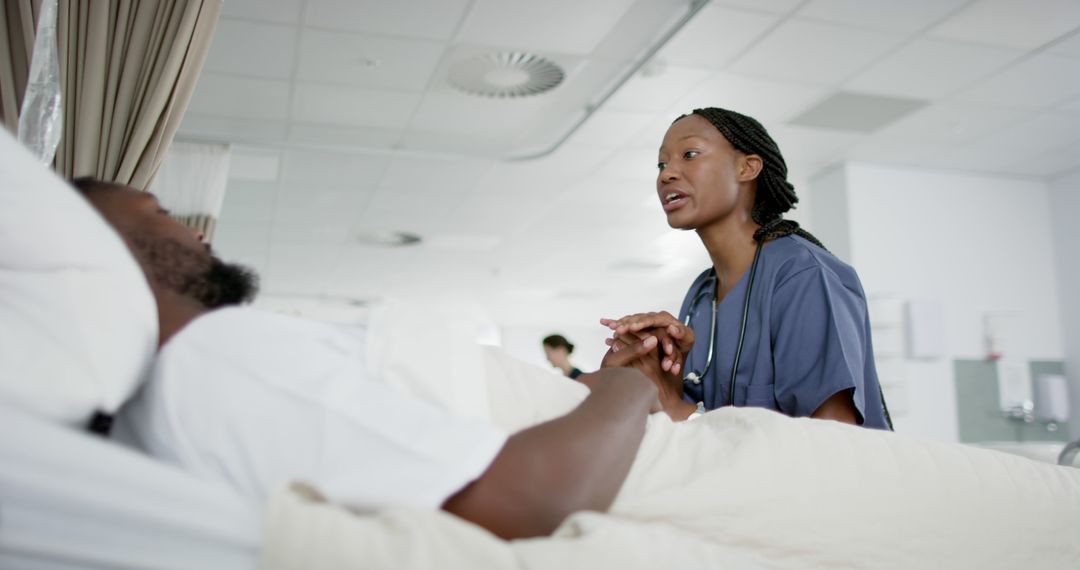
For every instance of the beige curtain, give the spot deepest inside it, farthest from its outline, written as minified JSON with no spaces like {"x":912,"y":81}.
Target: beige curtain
{"x":18,"y":20}
{"x":191,"y":183}
{"x":128,"y":69}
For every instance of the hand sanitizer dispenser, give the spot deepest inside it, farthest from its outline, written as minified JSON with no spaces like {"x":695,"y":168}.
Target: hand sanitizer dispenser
{"x":1051,"y":394}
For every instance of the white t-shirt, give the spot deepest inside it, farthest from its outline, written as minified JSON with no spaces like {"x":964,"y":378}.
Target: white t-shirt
{"x":258,"y":399}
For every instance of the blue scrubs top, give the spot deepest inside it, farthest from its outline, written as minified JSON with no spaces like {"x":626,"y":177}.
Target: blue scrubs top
{"x":807,"y":335}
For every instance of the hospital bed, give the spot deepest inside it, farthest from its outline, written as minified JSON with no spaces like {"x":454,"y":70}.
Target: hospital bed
{"x":73,"y":500}
{"x":78,"y":328}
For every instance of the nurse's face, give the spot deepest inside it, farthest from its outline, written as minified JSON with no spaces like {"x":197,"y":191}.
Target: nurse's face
{"x":702,"y":178}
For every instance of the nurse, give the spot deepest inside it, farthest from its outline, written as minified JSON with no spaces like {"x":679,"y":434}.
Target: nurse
{"x":777,"y":322}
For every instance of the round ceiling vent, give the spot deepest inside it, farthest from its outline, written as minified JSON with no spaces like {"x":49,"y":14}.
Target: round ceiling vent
{"x":507,"y":74}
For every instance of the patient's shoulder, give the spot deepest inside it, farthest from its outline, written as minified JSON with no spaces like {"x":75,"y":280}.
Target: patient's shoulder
{"x":249,"y":345}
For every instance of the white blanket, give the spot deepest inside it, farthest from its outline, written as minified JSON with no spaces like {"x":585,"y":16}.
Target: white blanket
{"x":738,"y":488}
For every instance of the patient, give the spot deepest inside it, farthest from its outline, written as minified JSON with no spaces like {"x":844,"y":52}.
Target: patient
{"x":257,"y":399}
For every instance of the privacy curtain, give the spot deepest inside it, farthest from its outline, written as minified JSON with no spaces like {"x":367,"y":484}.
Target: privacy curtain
{"x":128,"y":69}
{"x":191,"y":183}
{"x":17,"y":25}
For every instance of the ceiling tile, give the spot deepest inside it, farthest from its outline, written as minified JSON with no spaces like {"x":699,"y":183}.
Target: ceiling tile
{"x":246,"y":48}
{"x":1037,"y":133}
{"x":303,"y":255}
{"x":765,"y":100}
{"x":447,"y":110}
{"x":299,"y":267}
{"x":952,"y":122}
{"x":813,"y":52}
{"x":231,"y":236}
{"x":319,"y":232}
{"x":240,"y":97}
{"x":989,"y":160}
{"x":367,"y":60}
{"x":803,"y":146}
{"x":545,"y":176}
{"x":527,"y":25}
{"x":399,"y":202}
{"x":320,"y":206}
{"x":700,"y":44}
{"x":1071,"y":106}
{"x":334,"y":105}
{"x":929,"y":69}
{"x":397,"y":215}
{"x":859,"y":112}
{"x":770,"y":6}
{"x":405,"y":18}
{"x":1049,"y":164}
{"x":346,"y":170}
{"x":1040,"y":81}
{"x":657,"y":89}
{"x":633,"y":164}
{"x":1023,"y":24}
{"x":254,"y":164}
{"x":255,"y":131}
{"x":344,"y":138}
{"x":463,"y":242}
{"x":279,"y":11}
{"x":248,"y":202}
{"x":888,"y":15}
{"x":902,"y":152}
{"x":606,"y":127}
{"x":435,"y":175}
{"x":1068,"y":46}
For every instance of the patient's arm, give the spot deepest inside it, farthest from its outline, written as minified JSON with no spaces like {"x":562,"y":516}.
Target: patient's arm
{"x":572,"y":463}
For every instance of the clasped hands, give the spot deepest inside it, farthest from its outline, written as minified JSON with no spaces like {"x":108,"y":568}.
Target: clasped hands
{"x":656,"y":344}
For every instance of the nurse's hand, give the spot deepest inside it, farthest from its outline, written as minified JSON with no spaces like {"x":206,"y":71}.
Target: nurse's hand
{"x":632,"y":353}
{"x":679,"y":338}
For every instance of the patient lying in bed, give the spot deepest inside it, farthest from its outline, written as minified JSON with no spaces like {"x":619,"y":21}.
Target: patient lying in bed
{"x":258,"y":400}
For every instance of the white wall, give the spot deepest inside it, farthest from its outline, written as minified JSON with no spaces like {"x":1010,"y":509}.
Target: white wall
{"x":974,"y":244}
{"x":1064,"y":213}
{"x":830,"y":219}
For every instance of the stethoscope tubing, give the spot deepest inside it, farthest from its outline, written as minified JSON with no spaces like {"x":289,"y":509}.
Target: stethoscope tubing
{"x":695,"y":377}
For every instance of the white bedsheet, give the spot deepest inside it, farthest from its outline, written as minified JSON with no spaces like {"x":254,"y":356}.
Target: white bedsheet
{"x":738,"y":488}
{"x":71,"y":500}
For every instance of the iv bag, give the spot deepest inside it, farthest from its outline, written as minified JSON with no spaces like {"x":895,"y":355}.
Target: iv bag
{"x":41,"y":119}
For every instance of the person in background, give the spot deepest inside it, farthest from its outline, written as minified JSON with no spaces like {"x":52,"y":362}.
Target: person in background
{"x":776,"y":321}
{"x":558,"y":350}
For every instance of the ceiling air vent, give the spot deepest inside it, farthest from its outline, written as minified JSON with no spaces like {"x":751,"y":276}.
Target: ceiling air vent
{"x":507,"y":75}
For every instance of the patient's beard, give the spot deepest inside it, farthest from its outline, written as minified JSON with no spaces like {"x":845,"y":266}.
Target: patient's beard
{"x":194,"y":273}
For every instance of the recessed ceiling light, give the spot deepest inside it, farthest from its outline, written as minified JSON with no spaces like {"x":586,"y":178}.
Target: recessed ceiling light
{"x":508,"y":74}
{"x":387,"y":238}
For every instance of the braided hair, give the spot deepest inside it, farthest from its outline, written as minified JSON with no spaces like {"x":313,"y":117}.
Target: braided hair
{"x":775,"y":195}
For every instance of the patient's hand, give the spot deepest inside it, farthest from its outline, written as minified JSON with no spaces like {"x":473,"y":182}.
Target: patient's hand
{"x":676,"y":338}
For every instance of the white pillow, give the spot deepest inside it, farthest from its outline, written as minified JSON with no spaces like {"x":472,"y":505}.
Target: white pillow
{"x":78,"y":324}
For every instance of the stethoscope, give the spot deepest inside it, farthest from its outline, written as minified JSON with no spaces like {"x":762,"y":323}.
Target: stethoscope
{"x":695,"y":377}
